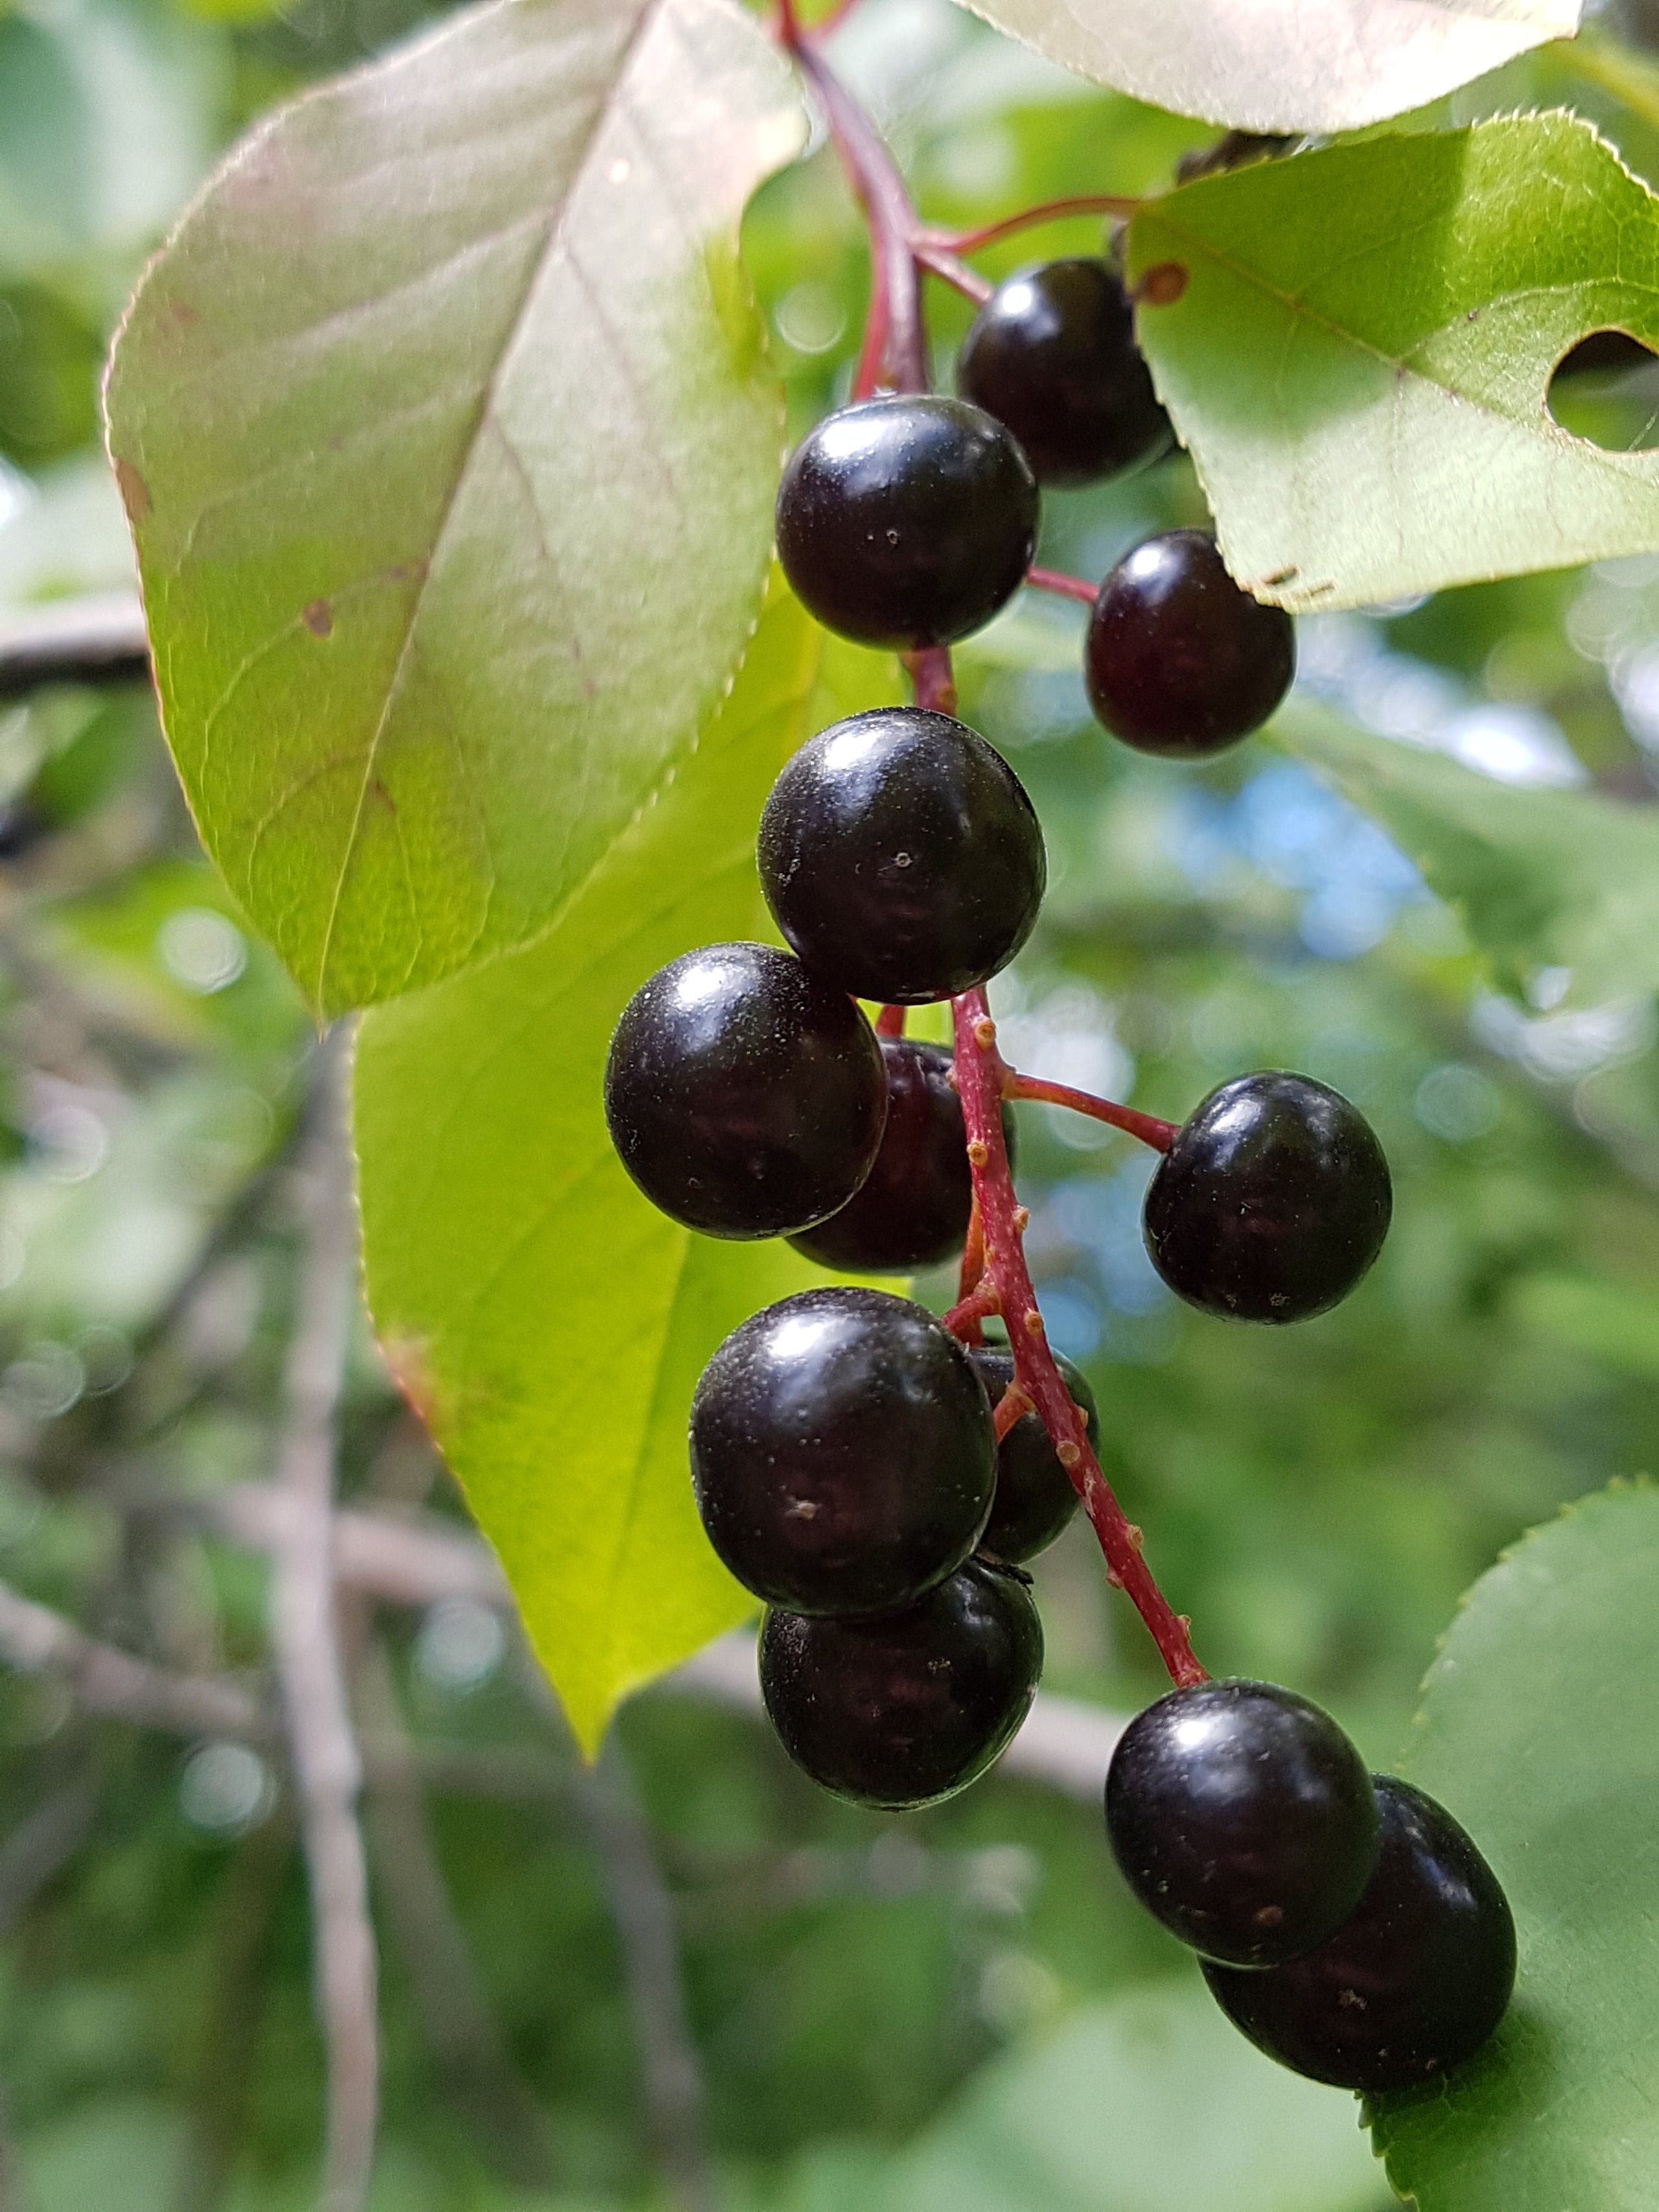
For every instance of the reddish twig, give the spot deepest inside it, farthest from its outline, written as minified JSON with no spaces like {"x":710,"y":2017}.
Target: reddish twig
{"x":1011,"y":1407}
{"x":893,"y":334}
{"x":972,"y":241}
{"x":1160,"y":1135}
{"x":973,"y":1253}
{"x":944,"y":264}
{"x":964,"y":1317}
{"x":981,"y":1076}
{"x":1063,"y":587}
{"x":890,"y":1022}
{"x":930,"y":679}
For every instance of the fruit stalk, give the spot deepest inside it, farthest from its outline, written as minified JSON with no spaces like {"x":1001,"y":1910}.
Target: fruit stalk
{"x":981,"y":1074}
{"x":1160,"y":1135}
{"x":893,"y":339}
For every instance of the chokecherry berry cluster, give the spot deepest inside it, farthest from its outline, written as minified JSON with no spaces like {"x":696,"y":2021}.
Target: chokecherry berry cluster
{"x":876,"y":1475}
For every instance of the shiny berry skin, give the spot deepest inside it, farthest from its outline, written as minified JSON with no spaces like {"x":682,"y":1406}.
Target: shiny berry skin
{"x":913,"y":1207}
{"x":1178,"y":660}
{"x":745,"y":1096}
{"x":901,"y":857}
{"x":905,"y":1708}
{"x":907,"y":520}
{"x":841,"y":1452}
{"x":1051,"y":353}
{"x":1035,"y":1498}
{"x":1411,"y":1984}
{"x":1272,"y":1202}
{"x":1243,"y":1819}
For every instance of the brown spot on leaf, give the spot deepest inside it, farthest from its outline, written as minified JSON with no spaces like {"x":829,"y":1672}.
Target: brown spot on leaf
{"x":135,"y":492}
{"x":1162,"y":285}
{"x":382,"y":797}
{"x":318,"y":618}
{"x":184,"y":314}
{"x":406,"y":1356}
{"x":1280,"y":577}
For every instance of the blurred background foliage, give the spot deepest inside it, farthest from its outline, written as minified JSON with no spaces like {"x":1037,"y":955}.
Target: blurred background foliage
{"x":960,"y":2009}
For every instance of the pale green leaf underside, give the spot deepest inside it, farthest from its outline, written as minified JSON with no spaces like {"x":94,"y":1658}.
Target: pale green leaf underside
{"x":1540,"y":878}
{"x":1359,"y":361}
{"x":549,"y":1321}
{"x":1284,"y":65}
{"x":1538,"y":1730}
{"x":450,"y":452}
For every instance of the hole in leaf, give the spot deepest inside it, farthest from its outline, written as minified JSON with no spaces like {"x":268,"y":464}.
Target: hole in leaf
{"x":1605,"y":391}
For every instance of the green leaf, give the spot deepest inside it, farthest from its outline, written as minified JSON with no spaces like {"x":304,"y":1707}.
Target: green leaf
{"x":1151,"y":2102}
{"x":107,"y":112}
{"x":548,"y":1322}
{"x":1359,"y":359}
{"x":1537,"y":1731}
{"x":1278,"y":64}
{"x":450,"y":451}
{"x":1540,"y":878}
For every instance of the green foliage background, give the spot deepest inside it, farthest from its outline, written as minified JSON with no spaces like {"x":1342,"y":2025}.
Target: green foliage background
{"x":880,"y":2008}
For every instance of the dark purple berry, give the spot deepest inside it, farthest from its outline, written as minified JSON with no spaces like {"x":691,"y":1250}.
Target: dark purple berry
{"x":912,"y":1211}
{"x":745,"y":1096}
{"x":901,"y":856}
{"x":1035,"y":1498}
{"x":1413,"y":1982}
{"x":907,"y":521}
{"x":1179,"y":661}
{"x":1272,"y":1202}
{"x":905,"y":1708}
{"x":1051,"y":353}
{"x":841,"y":1452}
{"x":1243,"y":1819}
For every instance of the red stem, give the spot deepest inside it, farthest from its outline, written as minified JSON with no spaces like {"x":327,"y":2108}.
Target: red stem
{"x":894,"y":336}
{"x":1003,"y":1286}
{"x":1065,"y":587}
{"x":964,"y":1317}
{"x":890,"y":1022}
{"x":1160,"y":1135}
{"x":939,"y":261}
{"x":980,"y":1077}
{"x":1013,"y":1407}
{"x":972,"y":241}
{"x":931,"y":678}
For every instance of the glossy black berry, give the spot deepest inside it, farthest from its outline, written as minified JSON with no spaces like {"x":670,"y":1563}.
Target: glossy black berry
{"x":1243,"y":1819}
{"x":908,"y":520}
{"x":745,"y":1096}
{"x":1035,"y":1498}
{"x":1411,"y":1984}
{"x":841,"y":1452}
{"x":901,"y":856}
{"x":912,"y":1210}
{"x":1179,"y":661}
{"x":908,"y":1707}
{"x":1051,"y":353}
{"x":1271,"y":1203}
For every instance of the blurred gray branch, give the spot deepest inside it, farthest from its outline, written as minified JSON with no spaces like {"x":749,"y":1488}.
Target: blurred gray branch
{"x":96,"y":640}
{"x":305,"y":1641}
